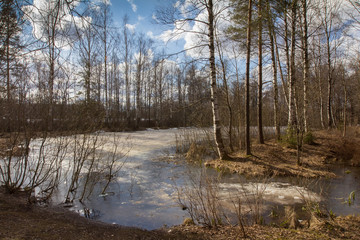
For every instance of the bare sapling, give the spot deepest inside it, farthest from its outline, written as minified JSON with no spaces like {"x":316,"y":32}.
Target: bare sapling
{"x":312,"y":202}
{"x":82,"y":149}
{"x":14,"y":163}
{"x":237,"y":205}
{"x":33,"y":164}
{"x":200,"y":197}
{"x":93,"y":172}
{"x":116,"y":159}
{"x":196,"y":143}
{"x":254,"y":198}
{"x":55,"y":160}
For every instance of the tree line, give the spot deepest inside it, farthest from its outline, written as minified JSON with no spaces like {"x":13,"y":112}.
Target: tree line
{"x":67,"y":65}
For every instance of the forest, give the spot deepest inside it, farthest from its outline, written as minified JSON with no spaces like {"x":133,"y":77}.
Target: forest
{"x":65,"y":66}
{"x":238,"y":112}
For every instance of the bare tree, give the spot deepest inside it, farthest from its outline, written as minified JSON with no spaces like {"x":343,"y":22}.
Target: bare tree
{"x":306,"y":64}
{"x":172,"y":15}
{"x":106,"y":18}
{"x":271,"y":33}
{"x":329,"y":14}
{"x":127,"y":61}
{"x":247,"y":81}
{"x":292,"y":121}
{"x":260,"y":72}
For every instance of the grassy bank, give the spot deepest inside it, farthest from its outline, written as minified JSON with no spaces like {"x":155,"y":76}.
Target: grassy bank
{"x":276,"y":158}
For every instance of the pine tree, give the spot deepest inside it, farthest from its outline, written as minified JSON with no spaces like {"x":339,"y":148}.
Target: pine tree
{"x":9,"y":48}
{"x":9,"y":42}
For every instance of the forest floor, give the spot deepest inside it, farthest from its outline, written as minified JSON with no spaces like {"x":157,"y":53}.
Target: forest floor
{"x":21,"y":220}
{"x":276,"y":158}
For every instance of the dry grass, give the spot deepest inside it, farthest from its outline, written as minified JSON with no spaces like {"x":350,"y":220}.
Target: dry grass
{"x":340,"y":228}
{"x":275,"y":159}
{"x":19,"y":220}
{"x":22,"y":221}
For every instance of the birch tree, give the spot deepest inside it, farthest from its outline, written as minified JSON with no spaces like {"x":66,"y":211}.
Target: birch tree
{"x":331,"y":23}
{"x":54,"y":25}
{"x":306,"y":64}
{"x":271,"y":33}
{"x":260,"y":72}
{"x":180,"y":17}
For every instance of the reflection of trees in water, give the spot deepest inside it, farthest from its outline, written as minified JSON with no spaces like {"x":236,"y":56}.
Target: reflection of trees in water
{"x":72,"y":165}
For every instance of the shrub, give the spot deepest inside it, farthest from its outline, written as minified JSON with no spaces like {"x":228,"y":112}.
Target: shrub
{"x":289,"y":138}
{"x":309,"y":138}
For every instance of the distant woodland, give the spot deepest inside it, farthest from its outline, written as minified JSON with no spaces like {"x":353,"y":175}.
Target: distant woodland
{"x":65,"y":65}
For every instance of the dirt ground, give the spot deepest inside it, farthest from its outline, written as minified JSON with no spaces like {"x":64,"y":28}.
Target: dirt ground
{"x":277,"y":159}
{"x":20,"y":220}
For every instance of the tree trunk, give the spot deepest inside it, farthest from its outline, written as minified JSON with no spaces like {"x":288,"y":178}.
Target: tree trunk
{"x":227,"y":95}
{"x":305,"y":63}
{"x":329,"y":78}
{"x":127,"y":69}
{"x":8,"y":84}
{"x":138,"y":85}
{"x":345,"y":103}
{"x":284,"y":87}
{"x":105,"y":66}
{"x":214,"y":98}
{"x":292,"y":122}
{"x":247,"y":82}
{"x":260,"y":83}
{"x":274,"y":67}
{"x":51,"y":82}
{"x":318,"y":72}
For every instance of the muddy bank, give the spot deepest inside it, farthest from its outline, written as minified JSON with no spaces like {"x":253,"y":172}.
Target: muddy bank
{"x":339,"y":228}
{"x":276,"y":159}
{"x":23,"y":221}
{"x":20,"y":220}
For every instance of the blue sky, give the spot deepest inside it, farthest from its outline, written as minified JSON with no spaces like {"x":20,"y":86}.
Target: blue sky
{"x":140,"y":13}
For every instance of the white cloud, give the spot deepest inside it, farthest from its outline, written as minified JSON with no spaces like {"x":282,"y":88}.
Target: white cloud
{"x":131,"y":27}
{"x":106,"y":2}
{"x":42,"y":13}
{"x":133,"y":5}
{"x":170,"y":35}
{"x":195,"y":33}
{"x":154,"y":17}
{"x":177,"y":4}
{"x":150,"y":34}
{"x":140,"y":18}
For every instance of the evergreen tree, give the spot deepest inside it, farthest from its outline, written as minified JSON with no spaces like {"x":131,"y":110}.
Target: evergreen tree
{"x":9,"y":48}
{"x":9,"y":42}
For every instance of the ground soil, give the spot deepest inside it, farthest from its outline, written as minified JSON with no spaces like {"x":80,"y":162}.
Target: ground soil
{"x":276,"y":158}
{"x":21,"y":220}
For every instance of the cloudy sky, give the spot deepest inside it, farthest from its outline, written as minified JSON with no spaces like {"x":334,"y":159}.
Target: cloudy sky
{"x":141,"y":15}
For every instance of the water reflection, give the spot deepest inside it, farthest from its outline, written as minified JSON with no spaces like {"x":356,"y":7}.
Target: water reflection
{"x":143,"y":192}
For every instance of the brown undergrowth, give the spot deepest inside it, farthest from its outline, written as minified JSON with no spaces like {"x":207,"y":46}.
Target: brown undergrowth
{"x":340,"y":228}
{"x":276,"y":159}
{"x":19,"y":220}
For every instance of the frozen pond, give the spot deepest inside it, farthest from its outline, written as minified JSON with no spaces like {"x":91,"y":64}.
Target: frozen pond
{"x":143,"y":192}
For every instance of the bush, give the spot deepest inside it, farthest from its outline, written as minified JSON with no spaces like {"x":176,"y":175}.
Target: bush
{"x":309,"y":138}
{"x":289,"y":138}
